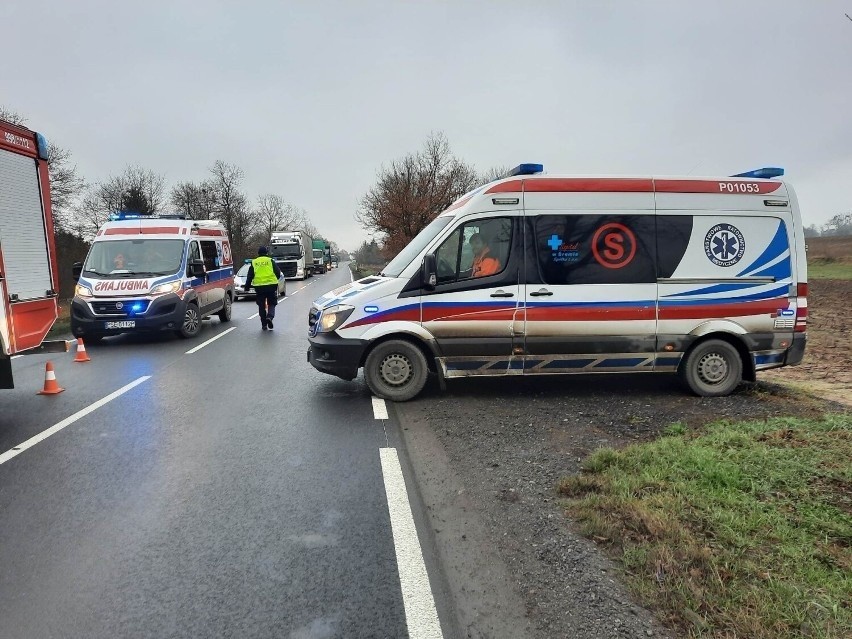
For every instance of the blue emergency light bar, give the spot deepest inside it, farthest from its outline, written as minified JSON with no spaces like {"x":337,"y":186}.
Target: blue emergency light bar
{"x":121,"y":216}
{"x":766,"y":173}
{"x":526,"y":169}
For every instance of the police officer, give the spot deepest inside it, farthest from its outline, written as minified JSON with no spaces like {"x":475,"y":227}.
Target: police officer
{"x":263,"y":274}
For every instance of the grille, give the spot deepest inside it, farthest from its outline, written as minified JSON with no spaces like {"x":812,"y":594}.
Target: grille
{"x":120,"y":307}
{"x":288,"y":268}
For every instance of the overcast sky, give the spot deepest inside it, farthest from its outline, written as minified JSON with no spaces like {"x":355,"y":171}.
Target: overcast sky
{"x":310,"y":98}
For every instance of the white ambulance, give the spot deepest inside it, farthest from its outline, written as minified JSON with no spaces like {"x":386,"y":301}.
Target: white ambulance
{"x":535,"y":274}
{"x":153,"y":273}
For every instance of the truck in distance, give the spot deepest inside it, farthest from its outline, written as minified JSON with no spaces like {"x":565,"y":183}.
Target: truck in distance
{"x":292,"y":250}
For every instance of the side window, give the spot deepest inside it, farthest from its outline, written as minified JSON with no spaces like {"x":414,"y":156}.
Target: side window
{"x":194,"y":251}
{"x":596,"y":249}
{"x":210,"y":255}
{"x":475,"y":249}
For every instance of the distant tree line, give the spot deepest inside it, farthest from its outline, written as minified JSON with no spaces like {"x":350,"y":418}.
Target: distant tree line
{"x":81,"y":207}
{"x":840,"y":224}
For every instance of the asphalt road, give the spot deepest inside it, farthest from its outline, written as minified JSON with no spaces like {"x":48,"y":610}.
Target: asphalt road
{"x":236,"y":492}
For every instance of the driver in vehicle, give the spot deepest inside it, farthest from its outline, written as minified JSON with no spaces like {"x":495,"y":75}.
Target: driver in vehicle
{"x":483,"y":263}
{"x":118,"y":262}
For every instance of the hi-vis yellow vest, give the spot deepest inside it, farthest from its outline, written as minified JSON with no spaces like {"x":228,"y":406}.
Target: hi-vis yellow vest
{"x":264,"y":275}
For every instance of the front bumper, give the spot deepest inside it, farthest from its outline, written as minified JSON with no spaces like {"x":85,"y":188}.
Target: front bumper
{"x":335,"y":355}
{"x":239,"y":292}
{"x":164,"y":313}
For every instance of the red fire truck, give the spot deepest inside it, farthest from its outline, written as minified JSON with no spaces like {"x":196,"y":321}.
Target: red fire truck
{"x":29,"y":278}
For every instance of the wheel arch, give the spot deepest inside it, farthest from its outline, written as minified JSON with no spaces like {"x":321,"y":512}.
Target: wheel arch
{"x":425,"y":347}
{"x":734,"y":339}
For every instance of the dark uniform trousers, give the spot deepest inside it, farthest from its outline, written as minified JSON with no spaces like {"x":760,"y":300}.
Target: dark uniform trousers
{"x":267,"y":294}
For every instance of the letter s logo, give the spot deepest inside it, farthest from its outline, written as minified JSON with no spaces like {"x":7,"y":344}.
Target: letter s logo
{"x":615,"y":247}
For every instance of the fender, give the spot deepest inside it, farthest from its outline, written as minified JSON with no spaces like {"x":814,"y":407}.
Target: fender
{"x":386,"y":329}
{"x":718,"y":326}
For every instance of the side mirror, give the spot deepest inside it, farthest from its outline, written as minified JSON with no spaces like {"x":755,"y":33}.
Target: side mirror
{"x":196,"y":268}
{"x":430,"y":272}
{"x":77,"y":270}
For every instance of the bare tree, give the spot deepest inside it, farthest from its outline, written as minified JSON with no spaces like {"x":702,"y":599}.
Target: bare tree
{"x":840,"y":224}
{"x":141,"y":187}
{"x":413,"y":190}
{"x":231,"y":207}
{"x":66,"y":187}
{"x":494,"y":173}
{"x":194,"y":201}
{"x":274,"y":214}
{"x":11,"y":116}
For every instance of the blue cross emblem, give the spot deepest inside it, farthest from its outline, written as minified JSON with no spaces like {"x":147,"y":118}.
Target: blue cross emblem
{"x":554,"y":242}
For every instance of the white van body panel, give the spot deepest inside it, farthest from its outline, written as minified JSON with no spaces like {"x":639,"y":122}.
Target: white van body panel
{"x":615,"y":274}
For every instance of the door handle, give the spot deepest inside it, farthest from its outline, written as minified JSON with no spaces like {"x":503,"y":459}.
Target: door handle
{"x":542,"y":292}
{"x":502,"y":294}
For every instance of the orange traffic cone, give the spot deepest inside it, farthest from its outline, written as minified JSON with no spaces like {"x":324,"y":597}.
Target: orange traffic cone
{"x":51,"y":387}
{"x":81,"y":355}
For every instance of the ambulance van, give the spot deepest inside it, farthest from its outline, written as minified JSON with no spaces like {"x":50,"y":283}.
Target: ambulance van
{"x":535,"y":274}
{"x":153,"y":273}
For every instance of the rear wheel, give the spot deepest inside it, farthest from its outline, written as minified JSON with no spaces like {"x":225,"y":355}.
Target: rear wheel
{"x":225,"y":313}
{"x":191,"y":322}
{"x":712,"y":369}
{"x":396,"y":370}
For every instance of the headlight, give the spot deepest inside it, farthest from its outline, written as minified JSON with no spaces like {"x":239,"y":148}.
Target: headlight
{"x":82,"y":291}
{"x":333,"y":317}
{"x":168,"y":287}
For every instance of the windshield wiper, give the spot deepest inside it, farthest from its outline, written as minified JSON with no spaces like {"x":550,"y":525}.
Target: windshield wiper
{"x":143,"y":274}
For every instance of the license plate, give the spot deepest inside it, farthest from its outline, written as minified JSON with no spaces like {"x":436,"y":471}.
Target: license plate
{"x":124,"y":324}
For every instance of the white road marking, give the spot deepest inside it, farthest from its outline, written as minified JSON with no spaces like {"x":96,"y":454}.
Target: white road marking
{"x":32,"y":441}
{"x":253,"y":316}
{"x":421,"y":615}
{"x":209,"y":341}
{"x":15,"y":356}
{"x":380,"y":409}
{"x":296,"y":291}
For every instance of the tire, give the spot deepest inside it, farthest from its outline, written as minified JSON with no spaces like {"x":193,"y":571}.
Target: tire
{"x":225,"y":313}
{"x":712,"y":369}
{"x":191,"y":325}
{"x":396,"y":370}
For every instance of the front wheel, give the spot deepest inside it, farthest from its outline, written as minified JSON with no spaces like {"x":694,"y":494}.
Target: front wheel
{"x":225,"y":313}
{"x":396,"y":370}
{"x":191,"y":322}
{"x":712,"y":369}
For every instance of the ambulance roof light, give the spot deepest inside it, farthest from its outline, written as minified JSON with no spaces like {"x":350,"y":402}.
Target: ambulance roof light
{"x":526,"y":169}
{"x":120,"y":216}
{"x":766,"y":173}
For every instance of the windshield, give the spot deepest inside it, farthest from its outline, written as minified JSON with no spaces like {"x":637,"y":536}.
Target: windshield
{"x":317,"y":254}
{"x":286,"y":250}
{"x":126,"y":258}
{"x":243,"y":272}
{"x":415,"y":246}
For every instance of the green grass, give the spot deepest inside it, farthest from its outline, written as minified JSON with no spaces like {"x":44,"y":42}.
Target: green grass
{"x":827,"y":269}
{"x":62,"y":325}
{"x":364,"y":271}
{"x":744,"y":530}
